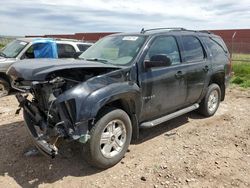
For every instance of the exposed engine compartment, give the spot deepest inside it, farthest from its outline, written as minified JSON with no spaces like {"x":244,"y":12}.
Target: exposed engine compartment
{"x":53,"y":118}
{"x":45,"y":93}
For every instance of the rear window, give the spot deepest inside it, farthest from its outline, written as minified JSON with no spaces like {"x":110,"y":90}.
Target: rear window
{"x":216,"y":48}
{"x":220,"y":42}
{"x":193,"y":50}
{"x":83,"y":47}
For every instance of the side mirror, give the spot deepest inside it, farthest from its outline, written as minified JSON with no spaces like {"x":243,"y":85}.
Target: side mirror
{"x":77,"y":54}
{"x":158,"y":61}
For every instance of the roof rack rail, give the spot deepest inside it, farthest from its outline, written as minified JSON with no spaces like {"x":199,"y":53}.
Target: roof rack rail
{"x":64,"y":39}
{"x":175,"y":28}
{"x":204,"y":31}
{"x":163,"y":28}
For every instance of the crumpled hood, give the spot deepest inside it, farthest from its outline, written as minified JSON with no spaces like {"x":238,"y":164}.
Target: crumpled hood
{"x":38,"y":69}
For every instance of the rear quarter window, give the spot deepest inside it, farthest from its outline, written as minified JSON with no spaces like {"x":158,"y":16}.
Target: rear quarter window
{"x":216,"y":49}
{"x":220,"y":42}
{"x":192,"y":49}
{"x":83,"y":47}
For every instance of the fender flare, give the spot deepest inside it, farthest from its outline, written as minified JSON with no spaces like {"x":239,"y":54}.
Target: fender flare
{"x":126,"y":91}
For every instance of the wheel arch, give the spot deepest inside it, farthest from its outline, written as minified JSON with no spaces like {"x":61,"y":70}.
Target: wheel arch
{"x":219,"y":78}
{"x":129,"y":106}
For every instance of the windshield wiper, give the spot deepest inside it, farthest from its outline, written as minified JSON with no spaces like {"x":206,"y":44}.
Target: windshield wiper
{"x":2,"y":54}
{"x":97,"y":59}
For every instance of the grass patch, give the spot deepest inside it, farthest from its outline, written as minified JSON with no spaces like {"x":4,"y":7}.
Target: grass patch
{"x":1,"y":46}
{"x":241,"y":74}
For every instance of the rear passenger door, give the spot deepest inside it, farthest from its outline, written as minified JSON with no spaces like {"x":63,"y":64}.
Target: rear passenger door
{"x":197,"y":67}
{"x":83,"y":47}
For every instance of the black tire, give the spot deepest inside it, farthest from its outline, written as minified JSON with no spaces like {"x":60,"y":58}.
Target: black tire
{"x":93,"y":153}
{"x":204,"y":105}
{"x":4,"y":87}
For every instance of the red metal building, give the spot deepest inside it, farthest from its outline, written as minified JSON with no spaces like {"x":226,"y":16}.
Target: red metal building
{"x":237,"y":40}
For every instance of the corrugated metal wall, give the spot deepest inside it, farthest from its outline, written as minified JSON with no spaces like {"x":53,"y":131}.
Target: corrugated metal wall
{"x":237,"y":40}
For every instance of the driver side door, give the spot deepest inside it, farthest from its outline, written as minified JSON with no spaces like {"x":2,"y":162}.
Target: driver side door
{"x":164,"y":88}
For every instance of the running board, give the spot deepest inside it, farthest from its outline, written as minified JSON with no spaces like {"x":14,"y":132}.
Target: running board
{"x":158,"y":121}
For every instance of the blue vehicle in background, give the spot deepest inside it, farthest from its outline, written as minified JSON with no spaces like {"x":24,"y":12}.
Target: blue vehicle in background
{"x":31,"y":48}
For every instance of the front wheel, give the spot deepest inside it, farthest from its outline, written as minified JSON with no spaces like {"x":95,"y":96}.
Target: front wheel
{"x":211,"y":101}
{"x":4,"y":87}
{"x":109,"y":139}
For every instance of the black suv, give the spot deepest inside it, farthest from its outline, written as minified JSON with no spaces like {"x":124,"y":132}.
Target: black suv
{"x":122,"y":83}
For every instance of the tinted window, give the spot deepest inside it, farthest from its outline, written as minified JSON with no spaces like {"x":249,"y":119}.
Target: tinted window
{"x":83,"y":47}
{"x":216,"y":49}
{"x":165,"y":45}
{"x":65,"y":51}
{"x":220,"y":42}
{"x":193,"y":50}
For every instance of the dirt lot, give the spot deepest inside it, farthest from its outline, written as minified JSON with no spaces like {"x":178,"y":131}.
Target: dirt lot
{"x":189,"y":151}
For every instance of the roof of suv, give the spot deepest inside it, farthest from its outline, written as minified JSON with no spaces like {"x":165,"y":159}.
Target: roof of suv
{"x":156,"y":31}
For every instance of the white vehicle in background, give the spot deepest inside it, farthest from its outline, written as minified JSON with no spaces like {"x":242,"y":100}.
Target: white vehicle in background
{"x":31,"y":48}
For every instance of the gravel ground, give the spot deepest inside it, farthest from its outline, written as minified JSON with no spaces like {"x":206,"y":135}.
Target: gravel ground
{"x":189,"y":151}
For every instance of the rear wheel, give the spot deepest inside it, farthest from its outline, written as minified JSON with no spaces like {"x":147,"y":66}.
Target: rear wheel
{"x":109,"y":139}
{"x":4,"y":87}
{"x":211,"y":101}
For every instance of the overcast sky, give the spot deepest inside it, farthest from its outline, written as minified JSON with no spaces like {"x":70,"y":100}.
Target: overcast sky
{"x":25,"y":17}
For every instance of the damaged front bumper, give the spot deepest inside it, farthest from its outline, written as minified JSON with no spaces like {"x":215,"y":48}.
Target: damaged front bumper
{"x":32,"y":116}
{"x":45,"y":137}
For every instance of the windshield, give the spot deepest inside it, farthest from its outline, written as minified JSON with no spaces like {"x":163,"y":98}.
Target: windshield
{"x":117,"y":50}
{"x":13,"y":49}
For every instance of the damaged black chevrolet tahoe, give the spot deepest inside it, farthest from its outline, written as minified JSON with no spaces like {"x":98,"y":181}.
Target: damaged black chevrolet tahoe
{"x":122,"y":83}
